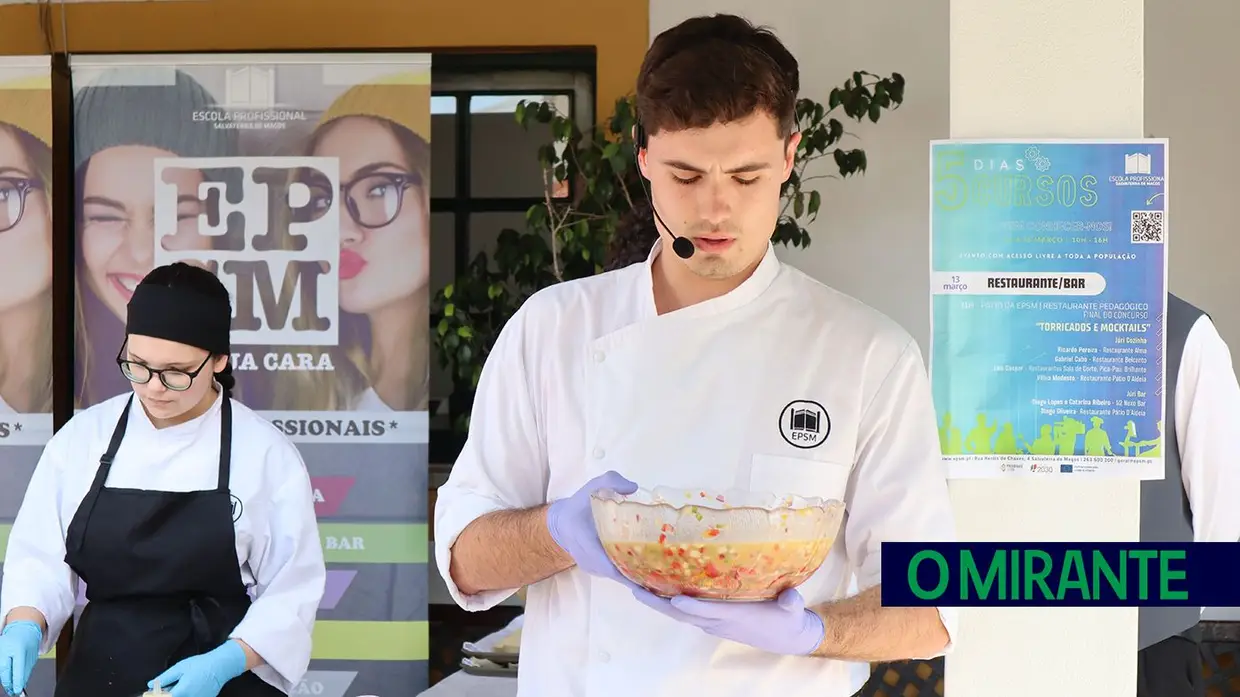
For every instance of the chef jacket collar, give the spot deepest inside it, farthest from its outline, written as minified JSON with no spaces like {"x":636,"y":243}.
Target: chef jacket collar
{"x":757,"y":283}
{"x":189,"y":428}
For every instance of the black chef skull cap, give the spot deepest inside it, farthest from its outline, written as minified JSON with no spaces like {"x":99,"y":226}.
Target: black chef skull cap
{"x":182,"y":303}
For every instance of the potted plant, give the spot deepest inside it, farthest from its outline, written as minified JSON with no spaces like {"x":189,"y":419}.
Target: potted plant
{"x":567,"y":237}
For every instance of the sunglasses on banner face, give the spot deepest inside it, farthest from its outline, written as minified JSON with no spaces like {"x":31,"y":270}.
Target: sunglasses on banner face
{"x":373,"y":200}
{"x":13,"y":193}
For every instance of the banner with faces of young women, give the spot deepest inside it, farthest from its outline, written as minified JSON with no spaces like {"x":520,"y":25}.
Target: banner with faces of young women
{"x":25,"y":279}
{"x":25,"y":258}
{"x":303,"y":182}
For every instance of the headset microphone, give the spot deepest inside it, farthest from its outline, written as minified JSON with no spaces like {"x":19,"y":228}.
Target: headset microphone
{"x":683,"y":246}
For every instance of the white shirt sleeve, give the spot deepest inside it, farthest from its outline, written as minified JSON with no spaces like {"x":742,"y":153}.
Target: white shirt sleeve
{"x":898,"y":488}
{"x":1207,"y":407}
{"x":35,"y":572}
{"x":503,"y":464}
{"x":290,"y":574}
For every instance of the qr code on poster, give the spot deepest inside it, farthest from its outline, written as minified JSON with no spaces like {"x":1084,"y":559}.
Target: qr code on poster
{"x":1148,"y":227}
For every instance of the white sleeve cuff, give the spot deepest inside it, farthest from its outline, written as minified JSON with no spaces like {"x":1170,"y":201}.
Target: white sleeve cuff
{"x":454,"y":511}
{"x":283,"y":645}
{"x":51,"y":606}
{"x":950,"y":617}
{"x":272,"y":677}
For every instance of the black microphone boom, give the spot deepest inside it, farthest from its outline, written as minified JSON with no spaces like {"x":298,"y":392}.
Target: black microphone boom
{"x":683,"y":246}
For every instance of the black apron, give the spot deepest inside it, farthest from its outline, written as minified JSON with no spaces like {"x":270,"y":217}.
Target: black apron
{"x":162,"y":580}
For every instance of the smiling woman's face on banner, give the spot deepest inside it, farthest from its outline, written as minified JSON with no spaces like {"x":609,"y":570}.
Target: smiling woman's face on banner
{"x":117,"y":222}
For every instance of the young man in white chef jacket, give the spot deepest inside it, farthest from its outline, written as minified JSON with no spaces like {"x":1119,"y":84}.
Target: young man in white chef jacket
{"x":676,"y":372}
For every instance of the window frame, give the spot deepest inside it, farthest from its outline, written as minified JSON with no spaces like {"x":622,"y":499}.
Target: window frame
{"x":571,"y":73}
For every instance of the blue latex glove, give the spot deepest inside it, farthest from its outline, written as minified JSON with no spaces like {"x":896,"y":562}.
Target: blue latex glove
{"x":203,"y":675}
{"x":781,"y":626}
{"x":572,"y":527}
{"x":19,"y":649}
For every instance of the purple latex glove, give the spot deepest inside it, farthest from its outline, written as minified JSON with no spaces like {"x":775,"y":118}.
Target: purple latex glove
{"x":572,"y":527}
{"x":781,"y":626}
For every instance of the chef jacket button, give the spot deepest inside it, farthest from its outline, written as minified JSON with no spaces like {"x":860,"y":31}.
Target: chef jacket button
{"x":599,"y":356}
{"x":599,"y":453}
{"x":603,"y":657}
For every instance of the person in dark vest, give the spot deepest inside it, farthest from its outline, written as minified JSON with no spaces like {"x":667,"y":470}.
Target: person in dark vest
{"x":202,"y":563}
{"x":1195,"y":501}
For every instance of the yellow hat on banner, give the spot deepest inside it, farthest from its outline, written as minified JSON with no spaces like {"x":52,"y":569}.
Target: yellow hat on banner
{"x":27,"y":104}
{"x":403,"y":99}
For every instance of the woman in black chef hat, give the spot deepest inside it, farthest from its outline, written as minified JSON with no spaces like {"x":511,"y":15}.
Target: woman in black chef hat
{"x":168,"y":564}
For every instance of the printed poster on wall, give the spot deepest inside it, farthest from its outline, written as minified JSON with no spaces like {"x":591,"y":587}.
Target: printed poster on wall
{"x":1048,"y":294}
{"x":303,"y":182}
{"x":25,"y":253}
{"x":25,"y":277}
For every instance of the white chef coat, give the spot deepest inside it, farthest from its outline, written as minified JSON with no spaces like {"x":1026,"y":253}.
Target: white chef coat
{"x":588,"y":377}
{"x":278,"y":544}
{"x":1207,"y":408}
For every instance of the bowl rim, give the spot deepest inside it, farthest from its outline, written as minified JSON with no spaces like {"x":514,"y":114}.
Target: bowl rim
{"x":610,"y":495}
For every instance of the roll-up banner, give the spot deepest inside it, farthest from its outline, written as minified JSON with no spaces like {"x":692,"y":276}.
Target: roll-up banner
{"x":25,"y":280}
{"x":303,"y":182}
{"x":25,"y":266}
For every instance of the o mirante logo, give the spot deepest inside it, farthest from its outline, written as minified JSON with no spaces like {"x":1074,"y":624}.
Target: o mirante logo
{"x":1065,"y":574}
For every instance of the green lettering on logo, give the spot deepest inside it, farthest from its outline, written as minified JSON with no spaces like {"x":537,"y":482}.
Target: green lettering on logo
{"x":1102,"y":567}
{"x":1143,"y":557}
{"x":1167,"y":575}
{"x":1037,"y":575}
{"x":944,"y":574}
{"x":970,"y":577}
{"x":1073,"y":576}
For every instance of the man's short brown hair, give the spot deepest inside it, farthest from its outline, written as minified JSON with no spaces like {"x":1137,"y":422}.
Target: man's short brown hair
{"x":716,"y":69}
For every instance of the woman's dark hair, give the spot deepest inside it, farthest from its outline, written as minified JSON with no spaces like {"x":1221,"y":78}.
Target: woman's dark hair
{"x":199,"y":280}
{"x":635,"y":235}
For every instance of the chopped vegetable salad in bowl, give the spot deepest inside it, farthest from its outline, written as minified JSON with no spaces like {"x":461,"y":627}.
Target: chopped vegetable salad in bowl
{"x":732,"y":545}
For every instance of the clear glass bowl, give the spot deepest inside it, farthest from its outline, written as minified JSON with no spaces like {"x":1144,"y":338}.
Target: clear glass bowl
{"x":734,"y":545}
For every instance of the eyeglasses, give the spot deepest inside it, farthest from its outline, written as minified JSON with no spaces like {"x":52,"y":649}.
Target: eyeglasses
{"x":174,"y":379}
{"x":373,"y":200}
{"x":13,"y":192}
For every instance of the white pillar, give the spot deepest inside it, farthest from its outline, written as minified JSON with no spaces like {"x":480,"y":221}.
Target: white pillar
{"x":1054,"y":69}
